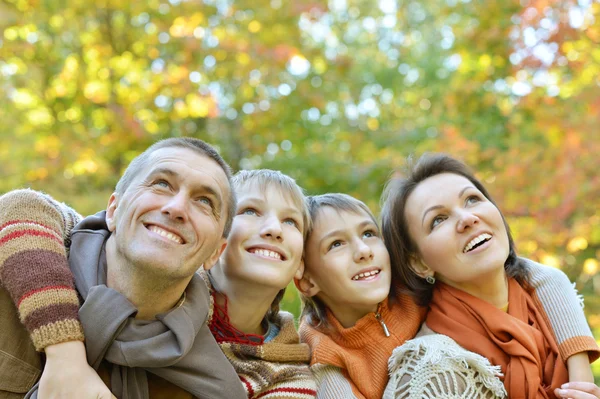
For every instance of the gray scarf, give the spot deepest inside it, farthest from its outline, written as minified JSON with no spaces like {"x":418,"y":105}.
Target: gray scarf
{"x":178,"y":346}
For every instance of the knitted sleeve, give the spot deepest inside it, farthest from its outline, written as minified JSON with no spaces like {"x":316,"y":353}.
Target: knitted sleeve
{"x":563,"y":308}
{"x":435,"y":366}
{"x":34,"y":233}
{"x":331,"y":383}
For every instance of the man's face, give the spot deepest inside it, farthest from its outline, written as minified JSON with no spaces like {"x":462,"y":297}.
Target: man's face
{"x":170,"y":219}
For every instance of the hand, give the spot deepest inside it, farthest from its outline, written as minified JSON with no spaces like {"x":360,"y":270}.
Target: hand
{"x":578,"y":390}
{"x":68,"y":375}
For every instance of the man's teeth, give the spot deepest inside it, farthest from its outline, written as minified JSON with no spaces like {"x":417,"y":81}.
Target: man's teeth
{"x":267,"y":253}
{"x":364,"y":275}
{"x":476,"y":240}
{"x":166,"y":234}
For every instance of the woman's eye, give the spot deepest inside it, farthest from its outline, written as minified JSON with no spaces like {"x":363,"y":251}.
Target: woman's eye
{"x":334,"y":244}
{"x":472,"y":199}
{"x":436,"y":220}
{"x":249,"y":212}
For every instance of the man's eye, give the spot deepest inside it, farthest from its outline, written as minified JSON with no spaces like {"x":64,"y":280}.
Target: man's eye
{"x":162,"y":183}
{"x":205,"y":200}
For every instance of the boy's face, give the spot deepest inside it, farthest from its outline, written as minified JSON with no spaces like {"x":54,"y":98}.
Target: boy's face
{"x":348,"y":263}
{"x":266,"y":240}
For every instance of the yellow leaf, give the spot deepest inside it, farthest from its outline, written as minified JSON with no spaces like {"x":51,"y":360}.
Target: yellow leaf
{"x":551,"y":260}
{"x":590,"y":266}
{"x":577,"y":244}
{"x":243,"y":58}
{"x":254,"y":26}
{"x":372,"y":124}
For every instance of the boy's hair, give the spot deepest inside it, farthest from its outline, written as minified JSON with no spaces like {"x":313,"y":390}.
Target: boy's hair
{"x":196,"y":145}
{"x":263,"y":179}
{"x":395,"y":226}
{"x":313,"y":309}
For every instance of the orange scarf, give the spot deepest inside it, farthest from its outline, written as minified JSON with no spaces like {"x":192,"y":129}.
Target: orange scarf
{"x":519,"y":341}
{"x":362,"y":351}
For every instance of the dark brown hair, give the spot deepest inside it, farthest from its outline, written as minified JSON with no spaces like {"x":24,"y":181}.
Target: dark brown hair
{"x":397,"y":236}
{"x":313,"y":309}
{"x":196,"y":145}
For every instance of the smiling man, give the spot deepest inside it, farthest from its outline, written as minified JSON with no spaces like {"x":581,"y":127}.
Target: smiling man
{"x":136,"y":294}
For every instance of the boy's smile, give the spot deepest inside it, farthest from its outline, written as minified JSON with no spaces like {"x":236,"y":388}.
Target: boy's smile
{"x":348,"y":263}
{"x":266,"y":241}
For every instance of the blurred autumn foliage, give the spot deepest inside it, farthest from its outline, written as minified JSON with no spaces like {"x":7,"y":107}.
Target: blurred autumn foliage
{"x":335,"y":94}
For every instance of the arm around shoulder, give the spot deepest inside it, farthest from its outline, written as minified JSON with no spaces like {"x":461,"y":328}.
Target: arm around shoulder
{"x":564,"y":309}
{"x":331,"y":383}
{"x":34,"y":232}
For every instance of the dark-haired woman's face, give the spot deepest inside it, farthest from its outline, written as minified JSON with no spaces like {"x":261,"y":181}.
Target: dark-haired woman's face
{"x":459,"y":233}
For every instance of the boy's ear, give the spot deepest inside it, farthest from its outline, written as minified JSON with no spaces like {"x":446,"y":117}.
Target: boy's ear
{"x":214,"y":257}
{"x":419,"y":267}
{"x":300,"y":271}
{"x":306,"y":285}
{"x":111,"y":208}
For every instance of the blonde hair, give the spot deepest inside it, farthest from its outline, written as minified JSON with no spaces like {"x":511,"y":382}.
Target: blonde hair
{"x":263,"y":179}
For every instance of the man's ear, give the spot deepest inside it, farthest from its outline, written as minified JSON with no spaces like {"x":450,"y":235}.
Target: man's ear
{"x":307,"y":285}
{"x":111,"y":208}
{"x":300,"y":271}
{"x":419,"y":267}
{"x":214,"y":258}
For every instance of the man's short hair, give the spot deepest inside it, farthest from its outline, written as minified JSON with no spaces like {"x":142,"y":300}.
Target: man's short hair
{"x":196,"y":145}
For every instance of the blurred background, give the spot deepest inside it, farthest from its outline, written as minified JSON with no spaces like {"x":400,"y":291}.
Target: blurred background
{"x":335,"y":94}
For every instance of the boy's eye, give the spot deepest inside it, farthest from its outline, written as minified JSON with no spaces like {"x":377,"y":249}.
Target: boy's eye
{"x":249,"y":212}
{"x":335,"y":244}
{"x":291,"y":222}
{"x":369,"y":234}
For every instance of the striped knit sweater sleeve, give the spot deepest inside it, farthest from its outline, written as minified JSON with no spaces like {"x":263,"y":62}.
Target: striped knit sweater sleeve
{"x":564,"y":310}
{"x":34,"y":234}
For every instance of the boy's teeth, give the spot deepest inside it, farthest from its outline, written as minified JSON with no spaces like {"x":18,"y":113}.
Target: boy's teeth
{"x":166,"y":234}
{"x":367,"y":274}
{"x":475,"y":241}
{"x":267,"y":253}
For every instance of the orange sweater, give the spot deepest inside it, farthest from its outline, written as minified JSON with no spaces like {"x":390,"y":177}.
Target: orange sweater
{"x":363,"y":351}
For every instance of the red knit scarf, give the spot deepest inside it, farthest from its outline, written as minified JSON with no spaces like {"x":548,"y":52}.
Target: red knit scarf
{"x":222,"y":329}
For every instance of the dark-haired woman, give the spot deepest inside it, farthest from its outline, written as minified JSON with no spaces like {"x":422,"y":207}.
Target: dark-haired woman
{"x":451,"y":247}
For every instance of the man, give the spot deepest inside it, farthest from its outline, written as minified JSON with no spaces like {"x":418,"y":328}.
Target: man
{"x":144,"y":309}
